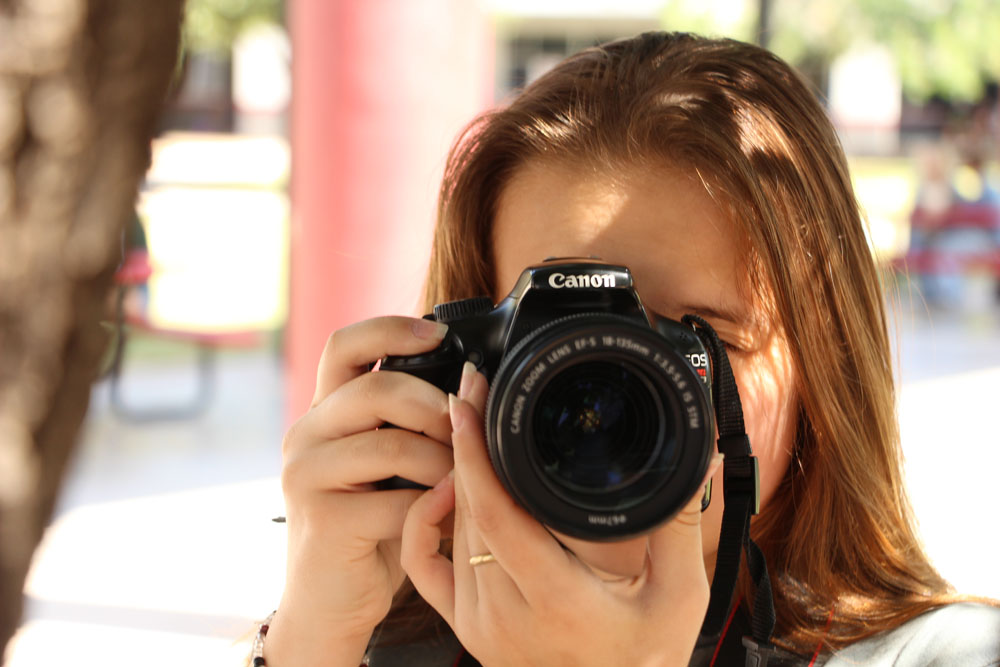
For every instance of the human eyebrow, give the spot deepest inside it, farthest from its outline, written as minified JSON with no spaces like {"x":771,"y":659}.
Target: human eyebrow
{"x":736,"y":328}
{"x":716,"y":313}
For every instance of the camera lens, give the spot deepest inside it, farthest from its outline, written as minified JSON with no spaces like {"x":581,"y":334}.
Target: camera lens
{"x":598,"y":426}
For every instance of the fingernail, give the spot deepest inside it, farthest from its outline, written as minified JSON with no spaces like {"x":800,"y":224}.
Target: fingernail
{"x":465,"y":386}
{"x":446,"y":480}
{"x":457,"y":419}
{"x":429,"y":329}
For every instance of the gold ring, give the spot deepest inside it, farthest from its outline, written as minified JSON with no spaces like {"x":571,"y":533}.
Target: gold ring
{"x":482,"y":559}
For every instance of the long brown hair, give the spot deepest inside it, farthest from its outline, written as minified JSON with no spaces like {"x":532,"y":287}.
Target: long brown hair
{"x":838,"y":534}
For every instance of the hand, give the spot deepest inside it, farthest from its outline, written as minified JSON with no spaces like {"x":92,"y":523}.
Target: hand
{"x":538,"y":604}
{"x":343,"y":535}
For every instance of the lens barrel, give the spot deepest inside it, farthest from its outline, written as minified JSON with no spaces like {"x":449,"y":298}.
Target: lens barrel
{"x":598,"y":426}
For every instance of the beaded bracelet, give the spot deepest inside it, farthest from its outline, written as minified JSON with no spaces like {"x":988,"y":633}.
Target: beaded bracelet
{"x":257,"y":653}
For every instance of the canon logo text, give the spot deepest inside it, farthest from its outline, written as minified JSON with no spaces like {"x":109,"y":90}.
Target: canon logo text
{"x":559,"y":280}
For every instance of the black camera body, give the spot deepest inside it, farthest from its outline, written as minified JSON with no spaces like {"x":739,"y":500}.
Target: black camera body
{"x":599,"y":419}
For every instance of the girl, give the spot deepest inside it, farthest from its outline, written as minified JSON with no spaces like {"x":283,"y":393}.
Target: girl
{"x":711,"y":171}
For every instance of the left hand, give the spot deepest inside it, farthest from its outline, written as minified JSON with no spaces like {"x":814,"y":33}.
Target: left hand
{"x":538,"y":604}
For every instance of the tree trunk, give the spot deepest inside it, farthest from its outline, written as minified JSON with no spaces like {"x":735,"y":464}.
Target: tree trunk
{"x":81,"y":83}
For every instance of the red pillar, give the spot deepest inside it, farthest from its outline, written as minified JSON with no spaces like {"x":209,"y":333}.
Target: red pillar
{"x":380,"y":90}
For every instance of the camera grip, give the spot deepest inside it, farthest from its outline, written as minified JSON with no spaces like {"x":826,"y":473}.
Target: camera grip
{"x":436,"y":368}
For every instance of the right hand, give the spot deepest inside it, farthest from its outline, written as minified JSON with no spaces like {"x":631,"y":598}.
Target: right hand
{"x":343,"y":535}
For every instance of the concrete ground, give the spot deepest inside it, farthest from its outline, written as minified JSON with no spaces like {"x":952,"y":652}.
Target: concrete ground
{"x":162,"y":551}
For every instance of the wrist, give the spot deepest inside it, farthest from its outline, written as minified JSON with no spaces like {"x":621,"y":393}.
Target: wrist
{"x":306,"y":643}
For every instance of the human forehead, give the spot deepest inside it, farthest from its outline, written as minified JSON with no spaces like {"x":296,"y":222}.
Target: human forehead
{"x":659,"y":220}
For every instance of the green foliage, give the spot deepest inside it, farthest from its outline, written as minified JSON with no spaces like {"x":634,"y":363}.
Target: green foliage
{"x":949,"y":48}
{"x":212,"y":25}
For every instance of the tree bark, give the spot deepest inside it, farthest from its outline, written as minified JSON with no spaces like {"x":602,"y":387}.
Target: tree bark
{"x":81,"y":84}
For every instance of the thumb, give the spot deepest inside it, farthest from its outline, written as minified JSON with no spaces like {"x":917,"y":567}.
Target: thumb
{"x":675,"y":548}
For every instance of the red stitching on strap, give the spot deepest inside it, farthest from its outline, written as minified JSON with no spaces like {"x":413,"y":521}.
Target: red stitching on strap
{"x":724,"y":631}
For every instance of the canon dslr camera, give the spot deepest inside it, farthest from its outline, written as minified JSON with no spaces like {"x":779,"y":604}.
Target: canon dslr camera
{"x":599,"y":418}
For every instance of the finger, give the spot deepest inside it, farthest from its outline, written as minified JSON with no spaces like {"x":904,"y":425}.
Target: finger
{"x":350,"y":350}
{"x":363,"y":458}
{"x":675,"y":549}
{"x":431,"y":573}
{"x":467,"y":576}
{"x":486,"y":583}
{"x":359,"y":518}
{"x":516,"y":539}
{"x":473,"y":388}
{"x":474,"y":542}
{"x":691,"y":513}
{"x":466,"y":595}
{"x":374,"y":399}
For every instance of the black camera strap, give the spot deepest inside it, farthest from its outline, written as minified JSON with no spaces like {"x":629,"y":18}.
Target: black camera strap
{"x":741,"y":493}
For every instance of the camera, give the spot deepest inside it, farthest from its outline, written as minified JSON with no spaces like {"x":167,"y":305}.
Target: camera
{"x":599,"y":417}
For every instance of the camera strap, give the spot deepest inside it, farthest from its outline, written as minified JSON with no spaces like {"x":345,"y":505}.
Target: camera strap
{"x":741,"y":495}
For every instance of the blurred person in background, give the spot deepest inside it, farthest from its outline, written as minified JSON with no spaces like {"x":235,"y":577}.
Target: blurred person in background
{"x":955,"y":231}
{"x":709,"y":168}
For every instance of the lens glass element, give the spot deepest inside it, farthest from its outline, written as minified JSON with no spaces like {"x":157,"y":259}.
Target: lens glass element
{"x":599,"y":426}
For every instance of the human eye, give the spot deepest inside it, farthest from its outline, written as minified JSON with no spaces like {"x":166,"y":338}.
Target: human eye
{"x":731,"y":347}
{"x":738,"y":340}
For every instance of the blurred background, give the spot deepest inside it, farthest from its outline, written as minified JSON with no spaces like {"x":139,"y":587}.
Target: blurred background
{"x":292,"y":191}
